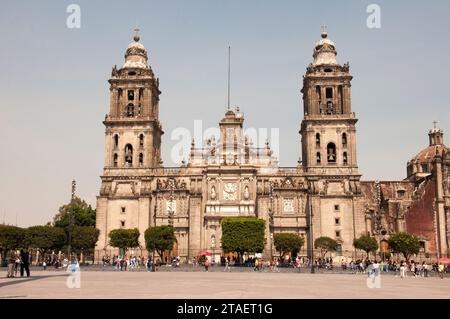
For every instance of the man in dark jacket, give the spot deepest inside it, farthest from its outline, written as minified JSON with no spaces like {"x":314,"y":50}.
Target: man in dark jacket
{"x":24,"y":262}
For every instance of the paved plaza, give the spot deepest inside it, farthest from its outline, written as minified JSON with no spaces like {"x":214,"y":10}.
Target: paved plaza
{"x":217,"y":284}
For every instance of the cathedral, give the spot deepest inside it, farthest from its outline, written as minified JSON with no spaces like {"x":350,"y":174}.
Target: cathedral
{"x":323,"y":195}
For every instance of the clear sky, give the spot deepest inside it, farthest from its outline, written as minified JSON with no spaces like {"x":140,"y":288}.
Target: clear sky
{"x":54,"y":90}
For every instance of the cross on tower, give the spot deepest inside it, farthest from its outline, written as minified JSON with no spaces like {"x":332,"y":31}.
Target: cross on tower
{"x":434,"y":123}
{"x":323,"y":28}
{"x":136,"y":34}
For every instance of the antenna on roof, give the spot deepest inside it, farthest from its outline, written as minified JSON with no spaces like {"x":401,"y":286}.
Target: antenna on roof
{"x":229,"y":71}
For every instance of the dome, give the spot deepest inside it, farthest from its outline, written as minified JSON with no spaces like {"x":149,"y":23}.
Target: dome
{"x":324,"y":51}
{"x":428,"y":154}
{"x":136,"y":55}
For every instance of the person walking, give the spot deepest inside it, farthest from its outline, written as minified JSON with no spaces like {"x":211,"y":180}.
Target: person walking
{"x":402,"y":270}
{"x":441,"y":269}
{"x":17,"y":266}
{"x":275,"y":265}
{"x":227,"y":264}
{"x":207,"y":265}
{"x":25,"y":262}
{"x":11,"y":262}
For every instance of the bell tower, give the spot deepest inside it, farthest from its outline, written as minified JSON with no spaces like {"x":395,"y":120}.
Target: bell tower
{"x":328,"y":128}
{"x":133,"y":131}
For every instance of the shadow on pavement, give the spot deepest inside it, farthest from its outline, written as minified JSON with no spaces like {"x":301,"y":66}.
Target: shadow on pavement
{"x":15,"y":282}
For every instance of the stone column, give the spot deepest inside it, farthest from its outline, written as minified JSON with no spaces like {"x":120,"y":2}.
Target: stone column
{"x":440,"y":212}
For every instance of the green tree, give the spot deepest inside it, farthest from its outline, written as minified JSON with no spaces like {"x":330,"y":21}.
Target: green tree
{"x":11,"y":237}
{"x":288,"y":243}
{"x":243,"y":235}
{"x":84,"y":238}
{"x":160,"y":239}
{"x":82,"y":214}
{"x":45,"y":238}
{"x":366,"y":243}
{"x":325,"y":244}
{"x":124,"y":238}
{"x":405,"y":244}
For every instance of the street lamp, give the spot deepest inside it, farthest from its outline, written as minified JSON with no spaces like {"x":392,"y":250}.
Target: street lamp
{"x":271,"y":242}
{"x":70,"y":212}
{"x":311,"y":236}
{"x":171,"y":209}
{"x":213,"y":246}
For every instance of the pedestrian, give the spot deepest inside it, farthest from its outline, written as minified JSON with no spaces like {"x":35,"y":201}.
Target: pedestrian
{"x":11,"y":264}
{"x":275,"y":265}
{"x":17,"y":265}
{"x":441,"y":269}
{"x":25,"y":262}
{"x":402,"y":270}
{"x":44,"y":264}
{"x":206,"y":265}
{"x":227,"y":264}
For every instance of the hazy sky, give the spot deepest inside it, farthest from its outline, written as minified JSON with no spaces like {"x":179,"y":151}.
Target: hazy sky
{"x":54,"y":90}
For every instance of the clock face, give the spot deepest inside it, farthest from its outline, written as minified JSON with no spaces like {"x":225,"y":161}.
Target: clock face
{"x":229,"y":191}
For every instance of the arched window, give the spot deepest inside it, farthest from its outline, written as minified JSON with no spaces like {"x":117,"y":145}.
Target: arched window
{"x":318,"y":157}
{"x":115,"y":160}
{"x":344,"y":158}
{"x":141,"y":159}
{"x":141,"y":140}
{"x":128,"y":155}
{"x":317,"y":140}
{"x":344,"y":139}
{"x":116,"y":140}
{"x":130,"y":110}
{"x":331,"y":153}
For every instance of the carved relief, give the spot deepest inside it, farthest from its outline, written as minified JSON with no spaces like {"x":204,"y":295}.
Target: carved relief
{"x":229,"y":191}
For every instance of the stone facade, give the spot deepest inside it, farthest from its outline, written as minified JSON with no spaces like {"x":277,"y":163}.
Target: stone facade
{"x":321,"y":196}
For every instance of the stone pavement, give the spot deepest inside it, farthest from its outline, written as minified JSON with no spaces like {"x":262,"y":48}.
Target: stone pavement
{"x":217,"y":284}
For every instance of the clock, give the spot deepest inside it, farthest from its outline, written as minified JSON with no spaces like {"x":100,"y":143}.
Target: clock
{"x":229,"y":191}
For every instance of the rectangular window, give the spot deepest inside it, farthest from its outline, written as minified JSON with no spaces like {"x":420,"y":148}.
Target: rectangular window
{"x":122,"y":223}
{"x":130,"y":95}
{"x":337,"y":221}
{"x":400,"y":193}
{"x":422,"y":246}
{"x":123,"y":210}
{"x":424,"y":168}
{"x":338,"y":234}
{"x":329,"y":93}
{"x":336,"y":207}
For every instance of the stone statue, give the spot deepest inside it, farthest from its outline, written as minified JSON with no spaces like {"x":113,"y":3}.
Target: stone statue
{"x":213,"y":193}
{"x":246,"y":193}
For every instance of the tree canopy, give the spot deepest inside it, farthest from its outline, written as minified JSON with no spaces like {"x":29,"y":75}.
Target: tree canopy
{"x":325,"y":244}
{"x":160,"y":239}
{"x":83,"y":214}
{"x":11,"y":237}
{"x":366,"y":243}
{"x":124,"y":238}
{"x":405,"y":244}
{"x":45,"y":238}
{"x":84,"y":237}
{"x":288,"y":243}
{"x":243,"y":234}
